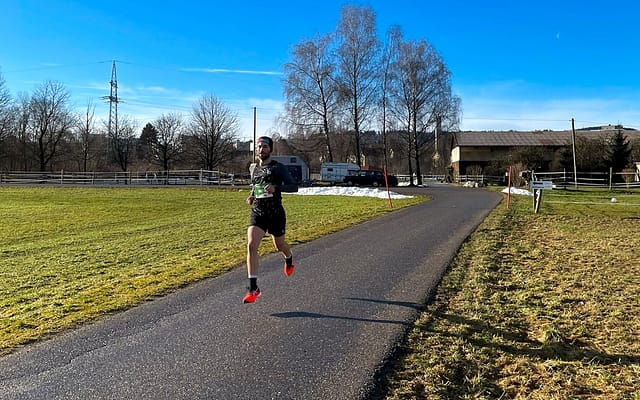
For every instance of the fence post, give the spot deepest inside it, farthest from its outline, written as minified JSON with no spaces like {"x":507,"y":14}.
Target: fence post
{"x":610,"y":177}
{"x":537,"y":198}
{"x":509,"y":188}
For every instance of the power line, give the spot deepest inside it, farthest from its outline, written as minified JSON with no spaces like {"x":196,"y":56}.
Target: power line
{"x":186,"y":108}
{"x":56,"y":66}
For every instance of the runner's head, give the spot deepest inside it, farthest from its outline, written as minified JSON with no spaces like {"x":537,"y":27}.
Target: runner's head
{"x":264,"y":147}
{"x":266,"y":140}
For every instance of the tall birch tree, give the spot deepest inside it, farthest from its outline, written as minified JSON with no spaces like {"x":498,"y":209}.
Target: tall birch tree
{"x":358,"y":53}
{"x":50,"y":120}
{"x":310,"y":88}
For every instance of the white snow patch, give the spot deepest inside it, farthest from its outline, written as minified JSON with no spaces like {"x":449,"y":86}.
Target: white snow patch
{"x":349,"y":191}
{"x":522,"y":192}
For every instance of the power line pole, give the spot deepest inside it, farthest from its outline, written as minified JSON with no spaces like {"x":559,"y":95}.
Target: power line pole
{"x":254,"y":135}
{"x":573,"y":141}
{"x":113,"y":101}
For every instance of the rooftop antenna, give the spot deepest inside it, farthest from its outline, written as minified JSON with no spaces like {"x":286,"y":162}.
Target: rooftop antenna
{"x":113,"y":101}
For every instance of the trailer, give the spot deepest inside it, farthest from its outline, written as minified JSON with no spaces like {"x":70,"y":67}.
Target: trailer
{"x":297,"y":167}
{"x":335,"y":172}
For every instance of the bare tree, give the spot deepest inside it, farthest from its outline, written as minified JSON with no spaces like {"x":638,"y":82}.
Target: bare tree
{"x":446,"y":112}
{"x":86,"y":136}
{"x":403,"y":114}
{"x":309,"y":147}
{"x":446,"y":118}
{"x":389,"y":57}
{"x":635,"y":149}
{"x":51,"y":120}
{"x":439,"y":103}
{"x":424,"y":95}
{"x":310,"y":87}
{"x":589,"y":154}
{"x":24,"y":151}
{"x":213,"y":131}
{"x":358,"y":64}
{"x":122,"y":141}
{"x":167,"y":146}
{"x":6,"y":116}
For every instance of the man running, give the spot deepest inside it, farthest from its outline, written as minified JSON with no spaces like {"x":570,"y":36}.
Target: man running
{"x":269,"y":180}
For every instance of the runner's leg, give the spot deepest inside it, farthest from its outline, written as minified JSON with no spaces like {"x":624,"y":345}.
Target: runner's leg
{"x":254,"y":237}
{"x":282,"y":246}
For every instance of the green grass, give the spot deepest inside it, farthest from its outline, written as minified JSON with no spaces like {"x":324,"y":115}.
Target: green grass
{"x":535,"y":306}
{"x":69,"y":255}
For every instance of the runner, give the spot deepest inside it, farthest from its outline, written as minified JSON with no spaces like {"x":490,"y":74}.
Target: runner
{"x":269,"y":180}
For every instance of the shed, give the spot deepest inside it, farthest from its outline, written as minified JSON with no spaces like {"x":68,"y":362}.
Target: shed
{"x":297,"y":167}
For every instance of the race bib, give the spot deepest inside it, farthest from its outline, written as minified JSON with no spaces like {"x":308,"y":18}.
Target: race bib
{"x":259,"y":192}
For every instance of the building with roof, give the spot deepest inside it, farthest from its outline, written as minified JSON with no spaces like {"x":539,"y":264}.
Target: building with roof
{"x":473,"y":148}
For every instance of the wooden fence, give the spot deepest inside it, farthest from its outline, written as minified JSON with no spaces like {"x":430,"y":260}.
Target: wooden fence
{"x":173,"y":177}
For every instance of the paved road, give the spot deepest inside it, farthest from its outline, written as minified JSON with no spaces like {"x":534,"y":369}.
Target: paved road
{"x":321,"y":334}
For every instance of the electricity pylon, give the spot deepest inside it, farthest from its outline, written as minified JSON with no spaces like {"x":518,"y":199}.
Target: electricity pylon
{"x":113,"y":102}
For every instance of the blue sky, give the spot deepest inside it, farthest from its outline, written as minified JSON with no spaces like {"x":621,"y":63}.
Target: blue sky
{"x":519,"y":65}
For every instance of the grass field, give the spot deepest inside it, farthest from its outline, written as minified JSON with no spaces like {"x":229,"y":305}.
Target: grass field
{"x":69,"y":255}
{"x":535,"y":306}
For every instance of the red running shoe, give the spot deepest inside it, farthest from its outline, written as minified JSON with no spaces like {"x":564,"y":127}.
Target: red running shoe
{"x":288,"y":269}
{"x":251,"y":296}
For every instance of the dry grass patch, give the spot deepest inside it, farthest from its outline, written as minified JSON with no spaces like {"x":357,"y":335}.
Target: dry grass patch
{"x":535,"y":307}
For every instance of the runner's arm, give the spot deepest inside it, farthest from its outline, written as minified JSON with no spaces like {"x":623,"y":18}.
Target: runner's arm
{"x":287,"y":185}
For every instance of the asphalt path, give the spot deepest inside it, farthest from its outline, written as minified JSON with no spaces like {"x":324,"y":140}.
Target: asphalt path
{"x":323,"y":333}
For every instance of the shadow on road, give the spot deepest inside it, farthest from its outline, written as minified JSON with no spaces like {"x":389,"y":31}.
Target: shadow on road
{"x":407,"y":304}
{"x":304,"y":314}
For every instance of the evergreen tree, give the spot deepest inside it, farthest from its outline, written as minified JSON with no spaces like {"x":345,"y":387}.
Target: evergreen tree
{"x":618,"y":152}
{"x":148,"y":138}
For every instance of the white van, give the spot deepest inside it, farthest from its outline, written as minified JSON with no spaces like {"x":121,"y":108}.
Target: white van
{"x":335,"y":172}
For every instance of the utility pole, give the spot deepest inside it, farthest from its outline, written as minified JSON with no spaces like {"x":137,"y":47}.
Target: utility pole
{"x":254,"y":135}
{"x":573,"y":139}
{"x":113,"y":102}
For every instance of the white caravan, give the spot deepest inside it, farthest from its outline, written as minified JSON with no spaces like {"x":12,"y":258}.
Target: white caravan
{"x":335,"y":172}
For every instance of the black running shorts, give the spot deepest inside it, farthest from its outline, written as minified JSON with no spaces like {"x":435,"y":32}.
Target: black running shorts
{"x":273,"y":221}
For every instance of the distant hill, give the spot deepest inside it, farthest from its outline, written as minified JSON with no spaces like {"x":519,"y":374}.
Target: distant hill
{"x":606,"y":128}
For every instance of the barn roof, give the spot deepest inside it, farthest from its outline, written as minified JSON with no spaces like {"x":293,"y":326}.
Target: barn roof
{"x":525,"y":138}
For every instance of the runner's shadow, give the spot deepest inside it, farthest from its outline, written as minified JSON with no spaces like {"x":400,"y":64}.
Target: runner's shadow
{"x":305,"y":314}
{"x":407,"y":304}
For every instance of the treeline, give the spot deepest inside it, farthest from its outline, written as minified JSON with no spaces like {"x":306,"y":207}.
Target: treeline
{"x":616,"y":152}
{"x":40,"y":132}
